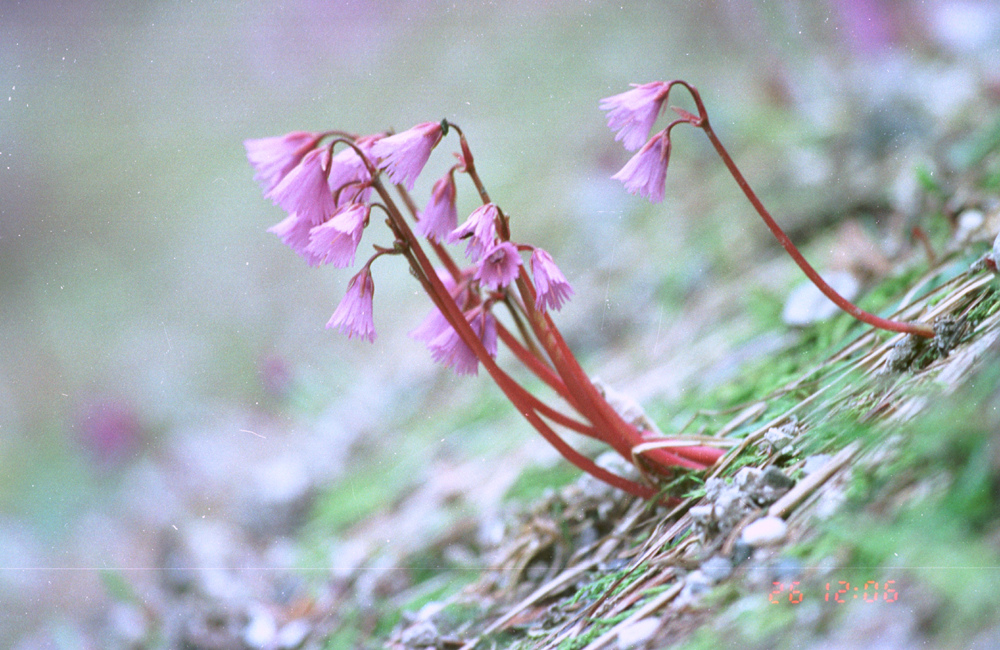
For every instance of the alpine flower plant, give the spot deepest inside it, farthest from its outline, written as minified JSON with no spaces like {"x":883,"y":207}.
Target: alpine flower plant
{"x":329,"y":184}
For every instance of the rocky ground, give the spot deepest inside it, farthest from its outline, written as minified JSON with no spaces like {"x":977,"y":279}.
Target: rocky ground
{"x":861,"y":465}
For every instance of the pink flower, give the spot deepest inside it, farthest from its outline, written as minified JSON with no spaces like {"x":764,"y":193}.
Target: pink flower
{"x":551,"y":287}
{"x":646,"y":172}
{"x":404,"y":155}
{"x":481,"y":227}
{"x":440,"y":216}
{"x":273,"y":158}
{"x":435,"y":323}
{"x":294,"y":232}
{"x":304,"y":190}
{"x":336,"y":241}
{"x":449,"y":349}
{"x":353,"y":315}
{"x":432,"y":326}
{"x":499,"y":265}
{"x":633,"y":112}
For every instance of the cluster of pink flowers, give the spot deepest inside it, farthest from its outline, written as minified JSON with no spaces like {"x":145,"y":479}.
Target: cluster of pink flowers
{"x":329,"y":201}
{"x":329,"y":196}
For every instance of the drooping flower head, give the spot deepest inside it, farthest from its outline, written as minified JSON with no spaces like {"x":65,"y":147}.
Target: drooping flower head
{"x":273,"y":158}
{"x":336,"y":241}
{"x":353,"y":315}
{"x":646,"y":172}
{"x":304,"y":190}
{"x":449,"y":349}
{"x":480,"y":228}
{"x":440,"y":217}
{"x":499,"y":266}
{"x":633,"y":112}
{"x":404,"y":155}
{"x":551,"y":287}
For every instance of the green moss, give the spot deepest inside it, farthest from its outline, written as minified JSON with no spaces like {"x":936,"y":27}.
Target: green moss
{"x":357,"y":495}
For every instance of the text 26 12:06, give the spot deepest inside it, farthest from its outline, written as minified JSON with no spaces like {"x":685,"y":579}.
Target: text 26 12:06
{"x":841,"y":592}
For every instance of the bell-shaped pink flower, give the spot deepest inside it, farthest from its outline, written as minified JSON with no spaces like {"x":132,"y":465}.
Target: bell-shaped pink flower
{"x":449,"y":349}
{"x":480,"y":227}
{"x":499,"y":266}
{"x":336,"y":241}
{"x":353,"y":315}
{"x":440,"y":216}
{"x":551,"y":287}
{"x":294,"y":233}
{"x":646,"y":172}
{"x":404,"y":155}
{"x":633,"y":112}
{"x":273,"y":158}
{"x":304,"y":190}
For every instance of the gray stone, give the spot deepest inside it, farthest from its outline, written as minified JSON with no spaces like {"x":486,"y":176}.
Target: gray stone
{"x":717,"y":568}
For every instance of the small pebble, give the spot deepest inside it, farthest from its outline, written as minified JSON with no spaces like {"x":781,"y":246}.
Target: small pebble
{"x":764,"y":531}
{"x":776,"y":479}
{"x":261,"y":630}
{"x":741,"y":553}
{"x":807,"y":304}
{"x":777,"y":441}
{"x":968,"y":223}
{"x":292,"y":634}
{"x":637,"y":633}
{"x":701,"y":514}
{"x":696,"y":585}
{"x":746,"y":478}
{"x":420,"y":634}
{"x":717,"y":568}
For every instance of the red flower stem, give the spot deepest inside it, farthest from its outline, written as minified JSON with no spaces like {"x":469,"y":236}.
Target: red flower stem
{"x":535,"y":365}
{"x":676,"y":456}
{"x":515,"y":392}
{"x":523,"y":401}
{"x":470,"y":165}
{"x":700,"y":454}
{"x":590,"y":402}
{"x":586,"y":398}
{"x":516,"y":310}
{"x":917,"y":329}
{"x":587,"y":465}
{"x":561,"y":419}
{"x":621,"y":435}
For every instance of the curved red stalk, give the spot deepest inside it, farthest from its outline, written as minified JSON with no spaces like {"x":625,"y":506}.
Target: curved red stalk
{"x":917,"y":329}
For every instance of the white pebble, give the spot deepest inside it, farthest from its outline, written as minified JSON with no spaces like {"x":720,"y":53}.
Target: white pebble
{"x":764,"y":531}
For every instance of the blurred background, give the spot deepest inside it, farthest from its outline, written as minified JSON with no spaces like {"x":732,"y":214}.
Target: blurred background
{"x":166,"y":382}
